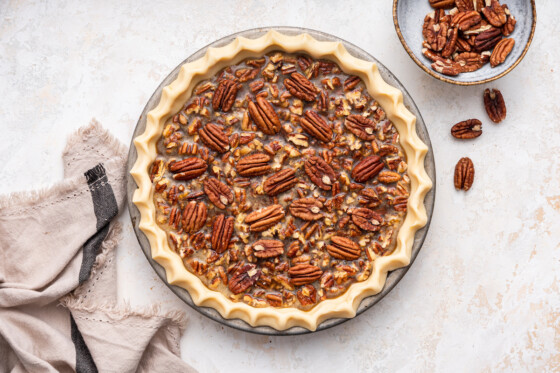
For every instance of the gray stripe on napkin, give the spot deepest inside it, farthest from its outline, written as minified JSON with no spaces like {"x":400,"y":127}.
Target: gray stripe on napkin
{"x":84,"y":361}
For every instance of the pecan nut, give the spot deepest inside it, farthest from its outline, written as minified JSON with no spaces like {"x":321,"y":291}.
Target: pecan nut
{"x":219,"y":193}
{"x":435,"y":33}
{"x":464,"y":174}
{"x":388,"y":177}
{"x":451,"y":43}
{"x":367,"y":168}
{"x":188,"y":168}
{"x":467,"y":129}
{"x":280,"y":182}
{"x":313,"y":124}
{"x":495,"y":105}
{"x":225,"y":95}
{"x":245,"y":277}
{"x":508,"y":28}
{"x":306,"y":209}
{"x":264,"y":218}
{"x":215,"y":137}
{"x":501,"y":51}
{"x":253,"y":165}
{"x":303,"y":274}
{"x":263,"y":249}
{"x":446,"y":67}
{"x":442,"y":4}
{"x":469,"y":61}
{"x":264,"y":116}
{"x":367,"y":219}
{"x":495,"y":14}
{"x":465,"y":20}
{"x":320,"y":173}
{"x":343,"y":248}
{"x":488,"y":39}
{"x":307,"y":295}
{"x":361,"y":126}
{"x":194,"y":216}
{"x":299,"y":86}
{"x":221,"y":233}
{"x":468,"y":5}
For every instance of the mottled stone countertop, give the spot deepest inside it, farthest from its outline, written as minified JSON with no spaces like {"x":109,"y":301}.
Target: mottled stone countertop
{"x":484,"y":293}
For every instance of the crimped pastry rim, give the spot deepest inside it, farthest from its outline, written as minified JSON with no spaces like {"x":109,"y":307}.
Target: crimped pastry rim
{"x":172,"y":98}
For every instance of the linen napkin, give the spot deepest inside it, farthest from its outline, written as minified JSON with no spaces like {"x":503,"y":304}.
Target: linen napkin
{"x":58,"y":294}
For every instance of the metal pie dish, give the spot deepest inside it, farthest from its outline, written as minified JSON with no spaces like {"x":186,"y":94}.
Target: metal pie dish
{"x":408,"y":17}
{"x":393,"y":277}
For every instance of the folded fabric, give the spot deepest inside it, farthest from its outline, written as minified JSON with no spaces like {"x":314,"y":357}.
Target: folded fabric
{"x":58,"y":294}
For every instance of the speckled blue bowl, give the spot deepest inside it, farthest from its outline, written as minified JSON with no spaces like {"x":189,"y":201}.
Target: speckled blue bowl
{"x":408,"y":16}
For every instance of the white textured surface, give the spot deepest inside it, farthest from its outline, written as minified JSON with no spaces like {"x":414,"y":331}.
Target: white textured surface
{"x":483,"y":294}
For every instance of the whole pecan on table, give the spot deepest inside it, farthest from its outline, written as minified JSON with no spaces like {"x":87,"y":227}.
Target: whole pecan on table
{"x":467,"y":129}
{"x":221,"y":233}
{"x":361,"y":126}
{"x":501,"y":51}
{"x":303,"y":274}
{"x":367,"y":219}
{"x":306,"y":209}
{"x":280,"y":182}
{"x":215,"y":137}
{"x":244,"y":278}
{"x":264,"y":116}
{"x":320,"y":173}
{"x":268,"y":248}
{"x":343,"y":248}
{"x":219,"y":193}
{"x":495,"y":105}
{"x":225,"y":95}
{"x":464,"y":174}
{"x":188,"y":168}
{"x":299,"y":86}
{"x":255,"y":164}
{"x":194,"y":216}
{"x":367,"y":168}
{"x":264,"y":218}
{"x":313,"y":124}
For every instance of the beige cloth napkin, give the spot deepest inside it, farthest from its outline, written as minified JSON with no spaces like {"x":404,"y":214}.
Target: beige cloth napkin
{"x":58,"y":294}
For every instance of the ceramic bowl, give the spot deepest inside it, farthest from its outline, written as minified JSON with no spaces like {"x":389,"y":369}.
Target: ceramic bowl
{"x":408,"y":17}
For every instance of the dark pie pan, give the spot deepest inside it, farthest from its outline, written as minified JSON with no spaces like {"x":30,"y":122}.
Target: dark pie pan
{"x":392,"y":278}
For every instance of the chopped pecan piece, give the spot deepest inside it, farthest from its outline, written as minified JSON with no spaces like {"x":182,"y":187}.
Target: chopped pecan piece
{"x":307,"y":295}
{"x":313,"y":124}
{"x":268,"y":248}
{"x":245,"y":277}
{"x":495,"y":105}
{"x":264,"y":218}
{"x":254,"y":165}
{"x":467,"y":129}
{"x":219,"y":193}
{"x":303,"y":274}
{"x":367,"y":168}
{"x":343,"y":248}
{"x":280,"y":182}
{"x":215,"y":137}
{"x":361,"y":126}
{"x":306,"y":209}
{"x":495,"y":14}
{"x":320,"y":173}
{"x":264,"y":116}
{"x":221,"y":233}
{"x":188,"y":168}
{"x":225,"y":94}
{"x":367,"y":219}
{"x":464,"y":174}
{"x":194,"y":216}
{"x":351,"y":82}
{"x":501,"y":51}
{"x":299,"y":86}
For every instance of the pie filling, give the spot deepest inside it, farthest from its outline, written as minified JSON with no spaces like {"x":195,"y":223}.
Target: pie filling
{"x":280,"y":181}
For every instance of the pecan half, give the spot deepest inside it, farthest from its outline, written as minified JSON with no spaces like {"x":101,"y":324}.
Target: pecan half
{"x":486,"y":40}
{"x":351,"y":82}
{"x":320,"y":173}
{"x":299,"y":86}
{"x":495,"y":14}
{"x":509,"y":27}
{"x":501,"y":51}
{"x":215,"y":137}
{"x":388,"y":177}
{"x":188,"y":168}
{"x":253,"y":165}
{"x":495,"y":105}
{"x":264,"y":218}
{"x":463,"y":45}
{"x":245,"y":277}
{"x":367,"y":168}
{"x":436,"y":34}
{"x":343,"y":248}
{"x":451,"y":43}
{"x":303,"y":274}
{"x":225,"y":94}
{"x":219,"y":193}
{"x":466,"y":20}
{"x":367,"y":219}
{"x":313,"y":124}
{"x":442,"y":4}
{"x":446,"y":67}
{"x":268,"y":248}
{"x":464,"y":174}
{"x":280,"y":182}
{"x":361,"y":126}
{"x":469,"y":61}
{"x":467,"y":129}
{"x":264,"y":116}
{"x":221,"y":233}
{"x":306,"y":209}
{"x":468,"y":5}
{"x":194,"y":216}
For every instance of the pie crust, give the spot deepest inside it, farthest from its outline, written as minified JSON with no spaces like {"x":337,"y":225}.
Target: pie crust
{"x":173,"y":97}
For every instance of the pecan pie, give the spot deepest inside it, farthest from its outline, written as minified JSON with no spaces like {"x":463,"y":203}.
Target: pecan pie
{"x":280,"y":184}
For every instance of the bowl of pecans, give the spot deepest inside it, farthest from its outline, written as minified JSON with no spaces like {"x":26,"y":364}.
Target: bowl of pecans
{"x":465,"y":42}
